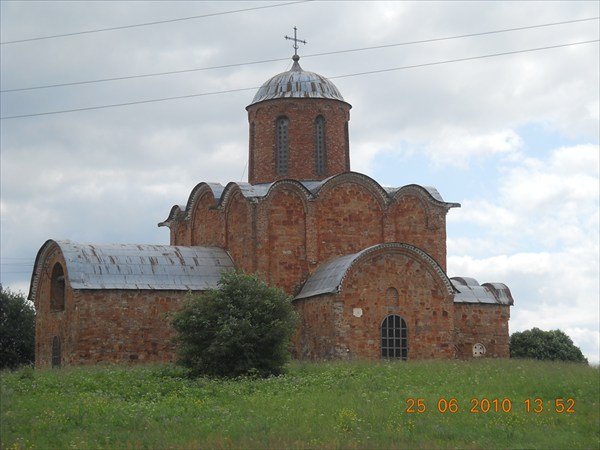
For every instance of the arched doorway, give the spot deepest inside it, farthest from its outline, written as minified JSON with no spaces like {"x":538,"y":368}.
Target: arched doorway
{"x":394,"y":338}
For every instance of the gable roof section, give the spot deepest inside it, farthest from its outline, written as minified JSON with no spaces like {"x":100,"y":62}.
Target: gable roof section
{"x":470,"y":291}
{"x":329,"y":277}
{"x":133,"y":266}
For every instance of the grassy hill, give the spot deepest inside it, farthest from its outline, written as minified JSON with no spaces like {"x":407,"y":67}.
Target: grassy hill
{"x":429,"y":404}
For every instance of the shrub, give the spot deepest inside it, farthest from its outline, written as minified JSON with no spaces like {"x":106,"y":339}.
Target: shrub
{"x":550,"y":345}
{"x":17,"y":330}
{"x":243,"y":327}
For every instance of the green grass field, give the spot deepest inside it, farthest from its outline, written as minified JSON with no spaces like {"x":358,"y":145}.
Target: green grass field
{"x":478,"y":404}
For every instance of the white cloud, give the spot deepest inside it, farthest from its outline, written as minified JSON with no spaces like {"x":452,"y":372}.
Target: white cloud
{"x":453,"y":146}
{"x":550,"y":204}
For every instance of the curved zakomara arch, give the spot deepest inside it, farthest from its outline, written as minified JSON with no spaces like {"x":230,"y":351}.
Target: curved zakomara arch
{"x":292,"y":185}
{"x":41,"y":265}
{"x":186,"y":213}
{"x":421,"y":193}
{"x":409,"y":250}
{"x":260,"y":193}
{"x":424,"y":197}
{"x":366,"y":182}
{"x":256,"y":193}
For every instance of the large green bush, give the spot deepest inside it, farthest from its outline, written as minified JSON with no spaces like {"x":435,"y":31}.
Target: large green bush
{"x":547,"y":345}
{"x":242,"y":327}
{"x":17,"y":330}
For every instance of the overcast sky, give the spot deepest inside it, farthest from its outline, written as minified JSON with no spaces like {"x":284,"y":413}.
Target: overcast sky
{"x":513,"y":138}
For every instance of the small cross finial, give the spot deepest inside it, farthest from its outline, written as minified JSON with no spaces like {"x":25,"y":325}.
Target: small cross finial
{"x":296,"y":40}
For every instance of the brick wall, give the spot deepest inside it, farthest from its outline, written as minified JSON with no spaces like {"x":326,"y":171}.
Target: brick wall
{"x":301,"y":114}
{"x":287,"y":234}
{"x":210,"y":228}
{"x":50,"y":322}
{"x":418,"y":222}
{"x":389,"y":281}
{"x":110,"y":326}
{"x":482,"y":323}
{"x":283,"y":249}
{"x":348,"y":218}
{"x":240,"y":226}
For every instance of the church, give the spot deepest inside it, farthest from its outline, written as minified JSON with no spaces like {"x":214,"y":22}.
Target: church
{"x":365,"y":264}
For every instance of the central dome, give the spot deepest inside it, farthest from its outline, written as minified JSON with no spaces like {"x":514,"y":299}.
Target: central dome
{"x":297,"y":83}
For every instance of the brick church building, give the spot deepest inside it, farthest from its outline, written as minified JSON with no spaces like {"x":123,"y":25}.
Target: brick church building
{"x":365,"y":264}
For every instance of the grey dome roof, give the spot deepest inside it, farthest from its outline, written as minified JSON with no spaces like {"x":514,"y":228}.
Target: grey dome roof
{"x":297,"y":83}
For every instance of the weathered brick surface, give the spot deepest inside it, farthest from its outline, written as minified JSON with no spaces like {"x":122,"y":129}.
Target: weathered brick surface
{"x":287,"y":234}
{"x":123,"y":326}
{"x":240,"y":231}
{"x":420,"y":223}
{"x":482,"y":323}
{"x":283,"y":252}
{"x":389,"y":281}
{"x":111,"y":326}
{"x":210,"y":228}
{"x":302,"y":114}
{"x":348,"y":218}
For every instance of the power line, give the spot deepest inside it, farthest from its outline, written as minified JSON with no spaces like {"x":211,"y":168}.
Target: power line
{"x":158,"y":22}
{"x":128,"y":77}
{"x":89,"y":108}
{"x":466,"y":59}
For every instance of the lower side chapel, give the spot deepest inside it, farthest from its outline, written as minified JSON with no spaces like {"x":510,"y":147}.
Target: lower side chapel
{"x":365,"y":264}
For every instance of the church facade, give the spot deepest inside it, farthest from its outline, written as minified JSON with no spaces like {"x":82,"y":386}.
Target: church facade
{"x":365,"y":264}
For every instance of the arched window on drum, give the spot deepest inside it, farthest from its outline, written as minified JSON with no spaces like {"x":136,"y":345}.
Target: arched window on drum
{"x":320,"y":145}
{"x":282,"y":140}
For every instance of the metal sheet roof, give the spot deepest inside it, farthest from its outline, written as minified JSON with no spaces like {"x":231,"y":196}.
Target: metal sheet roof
{"x":470,"y":291}
{"x":328,"y":277}
{"x":132,"y":266}
{"x":297,"y":83}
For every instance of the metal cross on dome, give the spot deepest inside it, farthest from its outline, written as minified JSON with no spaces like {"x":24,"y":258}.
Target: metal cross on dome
{"x":296,"y":40}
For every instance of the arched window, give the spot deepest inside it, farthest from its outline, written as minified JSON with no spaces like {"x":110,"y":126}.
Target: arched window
{"x":394,"y":337}
{"x":282,"y":132}
{"x":57,"y":288}
{"x":56,"y":357}
{"x":320,"y":144}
